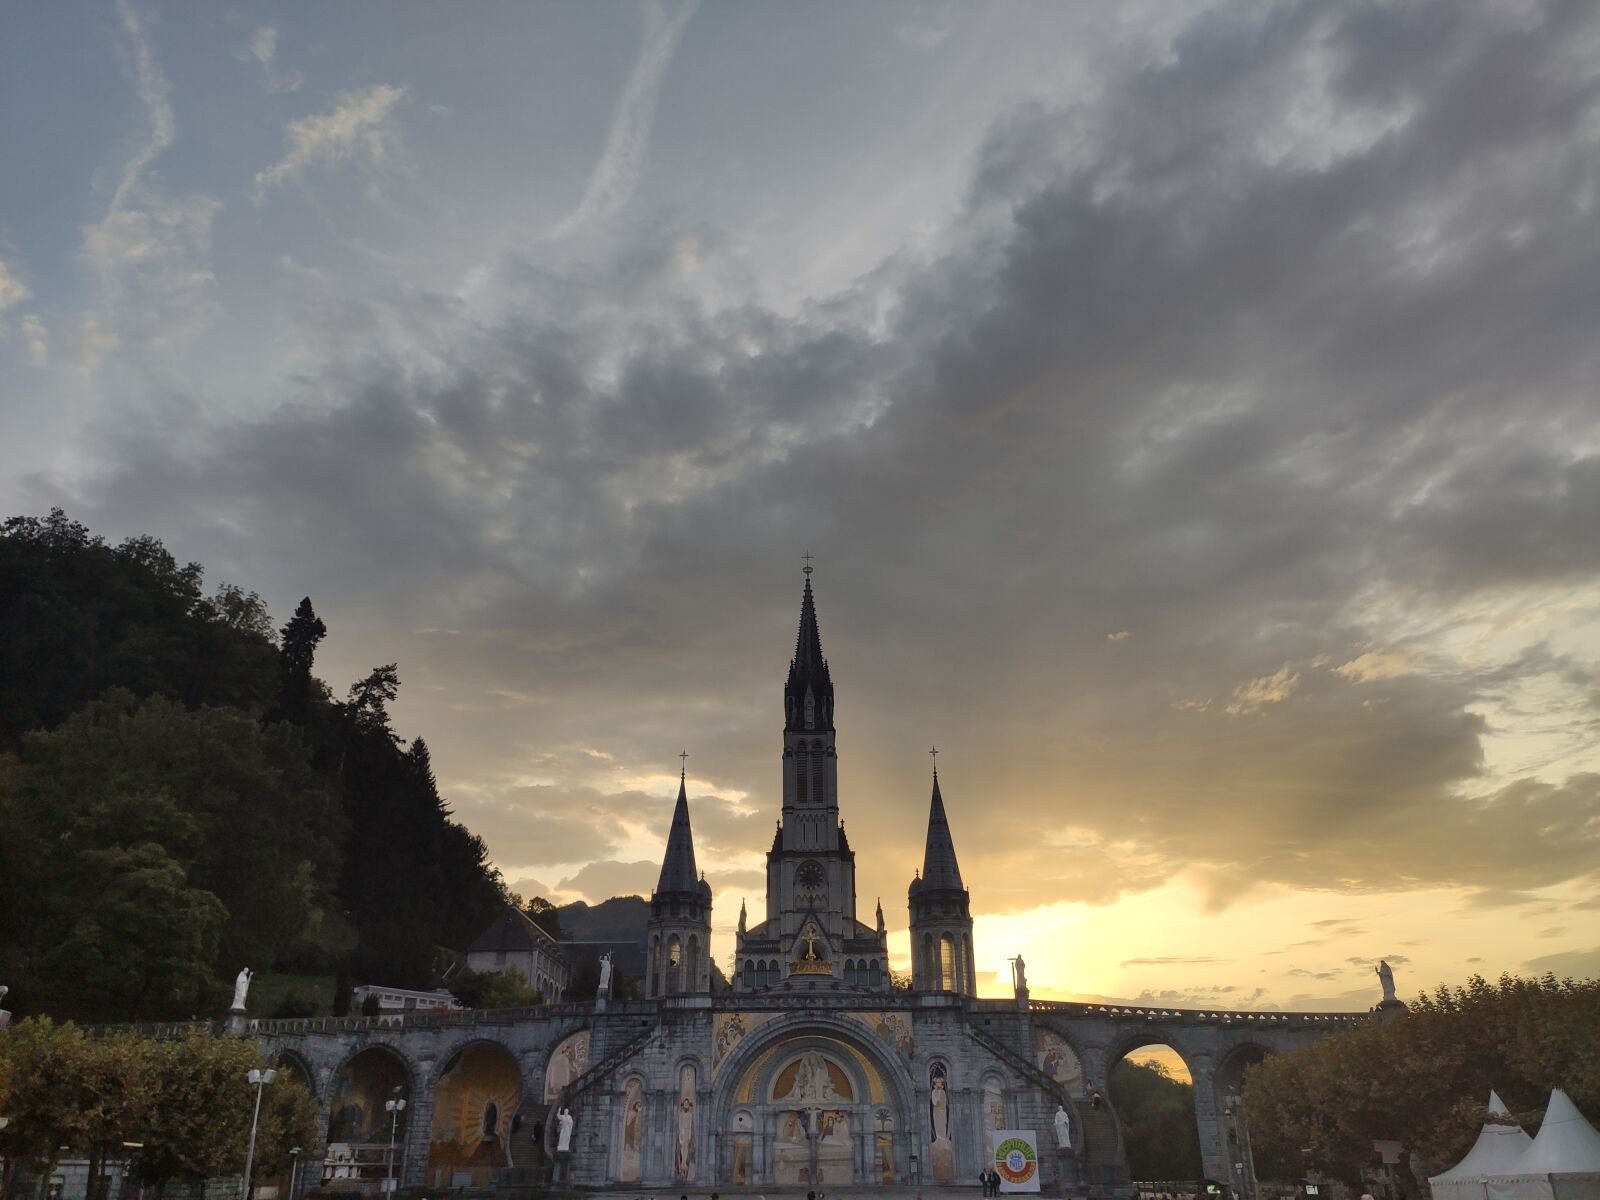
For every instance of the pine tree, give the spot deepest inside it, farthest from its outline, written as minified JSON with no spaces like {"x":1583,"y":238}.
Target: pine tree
{"x":298,"y":651}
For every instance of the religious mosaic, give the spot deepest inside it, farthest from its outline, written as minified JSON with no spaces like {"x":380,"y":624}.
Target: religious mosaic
{"x":568,"y":1061}
{"x":683,"y":1143}
{"x":632,"y":1132}
{"x":473,"y":1107}
{"x":1056,"y":1059}
{"x":893,"y":1027}
{"x":942,"y":1147}
{"x":730,"y":1030}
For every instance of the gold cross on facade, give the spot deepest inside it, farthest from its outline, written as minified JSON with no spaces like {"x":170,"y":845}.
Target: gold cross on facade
{"x":811,"y":942}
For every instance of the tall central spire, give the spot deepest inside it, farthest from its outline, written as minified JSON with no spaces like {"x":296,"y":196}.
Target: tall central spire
{"x":808,"y":694}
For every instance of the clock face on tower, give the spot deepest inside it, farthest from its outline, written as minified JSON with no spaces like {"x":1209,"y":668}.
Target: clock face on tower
{"x":810,"y":875}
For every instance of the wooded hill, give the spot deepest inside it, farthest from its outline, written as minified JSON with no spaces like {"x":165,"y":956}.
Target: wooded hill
{"x":181,"y":796}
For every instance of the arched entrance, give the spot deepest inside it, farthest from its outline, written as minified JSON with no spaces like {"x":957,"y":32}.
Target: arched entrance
{"x":473,"y":1108}
{"x":366,"y":1139}
{"x":813,"y":1104}
{"x":1150,"y":1088}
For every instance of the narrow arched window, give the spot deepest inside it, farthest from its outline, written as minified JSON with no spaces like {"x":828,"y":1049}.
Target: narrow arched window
{"x":947,"y":964}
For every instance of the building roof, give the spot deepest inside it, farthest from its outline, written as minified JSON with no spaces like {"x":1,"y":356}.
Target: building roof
{"x":513,"y":931}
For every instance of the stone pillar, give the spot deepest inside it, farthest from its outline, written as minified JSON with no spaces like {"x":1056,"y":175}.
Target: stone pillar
{"x":412,"y":1170}
{"x":1210,"y":1121}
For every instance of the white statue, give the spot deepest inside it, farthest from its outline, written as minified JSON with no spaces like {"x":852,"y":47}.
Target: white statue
{"x":564,"y":1130}
{"x":1063,"y":1128}
{"x":241,"y":985}
{"x":605,"y":975}
{"x":1386,"y":978}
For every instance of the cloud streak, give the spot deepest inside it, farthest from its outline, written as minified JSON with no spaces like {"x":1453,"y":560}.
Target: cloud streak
{"x":356,"y":126}
{"x":616,"y":174}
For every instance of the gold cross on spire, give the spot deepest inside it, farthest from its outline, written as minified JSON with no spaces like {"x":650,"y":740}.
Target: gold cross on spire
{"x":683,"y":765}
{"x":808,"y":556}
{"x":933,"y":753}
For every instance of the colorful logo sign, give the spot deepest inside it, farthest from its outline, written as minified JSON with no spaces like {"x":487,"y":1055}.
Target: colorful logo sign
{"x":1016,"y":1160}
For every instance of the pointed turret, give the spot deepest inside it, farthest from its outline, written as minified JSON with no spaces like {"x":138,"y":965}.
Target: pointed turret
{"x":679,"y":931}
{"x":941,"y":912}
{"x":808,"y":693}
{"x":678,"y":872}
{"x":939,"y":866}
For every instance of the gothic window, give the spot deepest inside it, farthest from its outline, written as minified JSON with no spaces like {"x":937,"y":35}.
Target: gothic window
{"x":674,"y":967}
{"x":947,"y":964}
{"x":802,"y":778}
{"x":749,"y":974}
{"x":811,"y":710}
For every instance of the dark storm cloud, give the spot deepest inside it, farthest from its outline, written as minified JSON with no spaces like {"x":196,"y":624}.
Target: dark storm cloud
{"x":1285,"y":332}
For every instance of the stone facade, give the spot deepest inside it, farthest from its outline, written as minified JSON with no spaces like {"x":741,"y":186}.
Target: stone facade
{"x":811,"y":1072}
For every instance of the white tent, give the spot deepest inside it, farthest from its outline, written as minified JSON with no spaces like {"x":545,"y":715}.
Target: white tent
{"x":1495,"y":1153}
{"x":1562,"y":1163}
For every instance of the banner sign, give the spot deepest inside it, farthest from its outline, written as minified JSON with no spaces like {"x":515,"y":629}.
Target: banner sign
{"x":1016,"y":1159}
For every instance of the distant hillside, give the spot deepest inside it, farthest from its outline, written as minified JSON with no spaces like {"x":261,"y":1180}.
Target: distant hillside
{"x":619,"y":919}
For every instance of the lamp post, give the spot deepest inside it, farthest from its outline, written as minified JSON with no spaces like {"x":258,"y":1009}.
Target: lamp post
{"x":394,"y":1108}
{"x":294,"y":1168}
{"x":260,"y":1079}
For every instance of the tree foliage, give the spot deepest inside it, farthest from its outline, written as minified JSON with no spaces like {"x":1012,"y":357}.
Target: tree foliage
{"x":1424,"y":1079}
{"x":78,"y":617}
{"x":1158,"y":1121}
{"x":494,"y":989}
{"x":187,"y":1102}
{"x":172,"y":846}
{"x":180,"y":797}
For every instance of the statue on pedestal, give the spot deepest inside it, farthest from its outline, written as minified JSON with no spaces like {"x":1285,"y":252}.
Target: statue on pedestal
{"x":564,"y":1130}
{"x":1385,"y":975}
{"x":605,"y":975}
{"x":241,"y":985}
{"x":1063,"y":1128}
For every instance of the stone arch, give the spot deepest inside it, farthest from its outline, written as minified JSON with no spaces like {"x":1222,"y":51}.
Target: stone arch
{"x":878,"y":1119}
{"x":293,"y":1060}
{"x":1175,"y":1147}
{"x":477,"y":1092}
{"x":363,"y":1140}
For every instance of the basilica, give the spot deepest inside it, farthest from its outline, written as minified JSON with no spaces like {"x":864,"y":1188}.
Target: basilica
{"x":812,"y":1069}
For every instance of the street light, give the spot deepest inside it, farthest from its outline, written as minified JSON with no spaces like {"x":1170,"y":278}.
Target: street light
{"x":394,"y":1108}
{"x":294,"y":1167}
{"x":260,"y":1079}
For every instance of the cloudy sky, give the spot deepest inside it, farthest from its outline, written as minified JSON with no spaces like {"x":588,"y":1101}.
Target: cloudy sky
{"x":1191,"y":408}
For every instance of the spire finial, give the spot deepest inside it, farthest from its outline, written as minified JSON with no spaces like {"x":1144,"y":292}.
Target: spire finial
{"x":683,"y":765}
{"x":806,"y":570}
{"x":933,"y":752}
